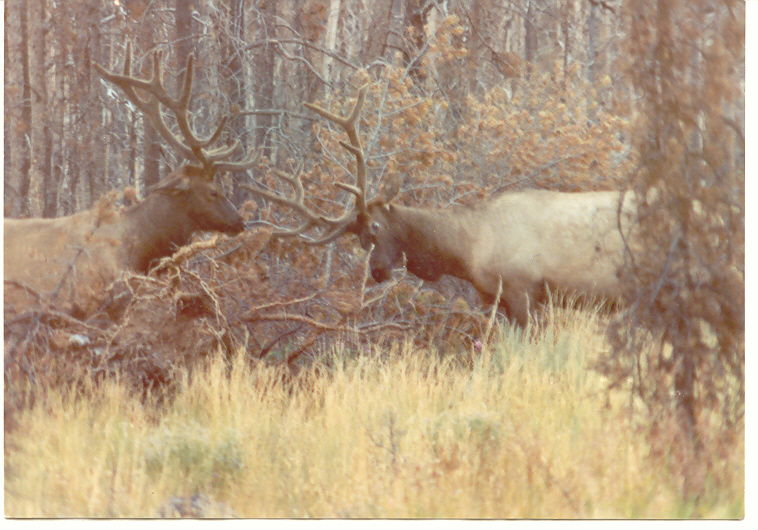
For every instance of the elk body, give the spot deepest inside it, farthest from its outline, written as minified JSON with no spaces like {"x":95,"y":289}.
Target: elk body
{"x":74,"y":258}
{"x":520,"y":245}
{"x":533,"y":241}
{"x":91,"y":247}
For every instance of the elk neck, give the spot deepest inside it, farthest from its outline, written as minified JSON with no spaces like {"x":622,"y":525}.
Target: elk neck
{"x":154,"y":229}
{"x":435,"y":241}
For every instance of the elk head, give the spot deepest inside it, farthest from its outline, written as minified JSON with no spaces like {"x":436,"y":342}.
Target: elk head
{"x":371,"y":220}
{"x":201,"y":200}
{"x":377,"y":228}
{"x":190,"y":188}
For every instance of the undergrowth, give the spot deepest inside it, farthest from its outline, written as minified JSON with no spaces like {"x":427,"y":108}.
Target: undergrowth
{"x":523,"y":429}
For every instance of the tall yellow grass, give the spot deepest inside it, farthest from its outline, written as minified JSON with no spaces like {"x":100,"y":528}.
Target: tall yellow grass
{"x":524,"y":429}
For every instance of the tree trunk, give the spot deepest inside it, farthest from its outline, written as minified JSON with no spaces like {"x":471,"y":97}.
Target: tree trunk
{"x":310,"y":22}
{"x":264,"y":81}
{"x":151,"y":172}
{"x":330,"y":39}
{"x":184,"y":36}
{"x":379,"y":31}
{"x":530,"y":38}
{"x":26,"y":117}
{"x":90,"y":109}
{"x":48,"y":186}
{"x":233,"y":69}
{"x":415,"y":18}
{"x":568,"y":12}
{"x":476,"y":15}
{"x":591,"y":36}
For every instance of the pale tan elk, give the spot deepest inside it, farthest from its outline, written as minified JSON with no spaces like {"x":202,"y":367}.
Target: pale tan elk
{"x":72,"y":259}
{"x":521,"y":244}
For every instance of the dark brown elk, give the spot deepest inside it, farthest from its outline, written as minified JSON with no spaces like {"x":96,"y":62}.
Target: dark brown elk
{"x":75,"y":257}
{"x":522,"y":244}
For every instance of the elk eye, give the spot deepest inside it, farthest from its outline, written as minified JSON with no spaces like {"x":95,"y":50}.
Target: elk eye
{"x":375,"y":226}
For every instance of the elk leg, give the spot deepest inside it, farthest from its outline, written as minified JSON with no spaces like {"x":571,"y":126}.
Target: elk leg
{"x":516,"y":305}
{"x":515,"y":301}
{"x":520,"y":301}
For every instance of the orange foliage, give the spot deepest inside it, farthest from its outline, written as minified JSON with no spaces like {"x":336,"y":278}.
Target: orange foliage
{"x":547,"y":134}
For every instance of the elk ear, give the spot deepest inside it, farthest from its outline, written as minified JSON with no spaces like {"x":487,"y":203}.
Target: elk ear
{"x":390,"y":188}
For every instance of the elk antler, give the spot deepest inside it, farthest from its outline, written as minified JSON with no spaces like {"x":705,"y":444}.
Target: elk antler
{"x":335,"y":226}
{"x":349,"y":123}
{"x":190,"y":145}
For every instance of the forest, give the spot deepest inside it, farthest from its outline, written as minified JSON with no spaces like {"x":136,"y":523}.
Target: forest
{"x":461,"y":101}
{"x":527,"y":70}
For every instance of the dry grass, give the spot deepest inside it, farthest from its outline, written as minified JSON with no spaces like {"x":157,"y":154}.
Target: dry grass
{"x":524,"y":430}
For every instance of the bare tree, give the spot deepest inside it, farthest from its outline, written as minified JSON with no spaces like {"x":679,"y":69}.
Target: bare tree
{"x":265,"y":64}
{"x":184,"y":34}
{"x":151,"y":140}
{"x":685,"y":274}
{"x":25,"y":131}
{"x":415,"y":18}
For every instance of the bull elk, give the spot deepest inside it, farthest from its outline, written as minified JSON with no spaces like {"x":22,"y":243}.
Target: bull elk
{"x":85,"y":251}
{"x":520,"y":245}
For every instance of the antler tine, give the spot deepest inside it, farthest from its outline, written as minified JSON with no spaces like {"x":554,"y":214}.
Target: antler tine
{"x":341,"y":225}
{"x":360,"y":193}
{"x":150,"y":106}
{"x":297,"y":202}
{"x":189,"y":145}
{"x":180,"y":106}
{"x":350,"y":124}
{"x":127,"y":60}
{"x":186,"y":89}
{"x":336,"y":233}
{"x":333,"y":227}
{"x":252,"y":159}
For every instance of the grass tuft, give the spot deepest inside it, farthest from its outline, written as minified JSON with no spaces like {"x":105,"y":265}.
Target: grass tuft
{"x":523,"y":429}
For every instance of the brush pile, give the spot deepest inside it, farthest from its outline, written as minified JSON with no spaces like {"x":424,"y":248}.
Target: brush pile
{"x":279,"y":301}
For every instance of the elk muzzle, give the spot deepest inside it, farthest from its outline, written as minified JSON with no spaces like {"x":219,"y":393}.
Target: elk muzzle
{"x":219,"y":215}
{"x":235,"y":226}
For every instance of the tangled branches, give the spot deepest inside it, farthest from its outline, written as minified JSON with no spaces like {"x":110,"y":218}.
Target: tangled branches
{"x":277,"y":301}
